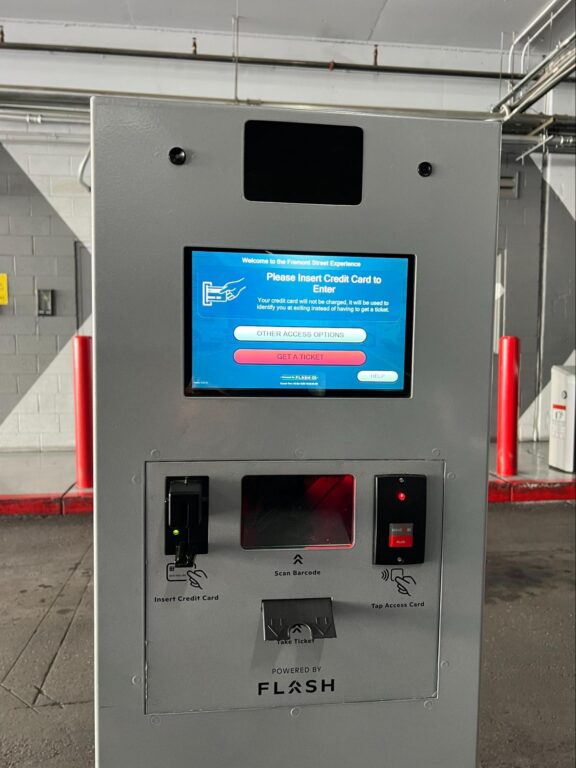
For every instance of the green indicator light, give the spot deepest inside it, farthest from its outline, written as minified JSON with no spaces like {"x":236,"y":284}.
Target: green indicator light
{"x":175,"y":532}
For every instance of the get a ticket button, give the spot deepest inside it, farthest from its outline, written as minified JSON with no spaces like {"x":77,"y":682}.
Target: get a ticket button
{"x":297,"y":357}
{"x":378,"y":376}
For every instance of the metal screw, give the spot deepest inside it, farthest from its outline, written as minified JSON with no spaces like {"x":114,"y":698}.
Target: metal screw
{"x":177,"y":156}
{"x":425,"y":169}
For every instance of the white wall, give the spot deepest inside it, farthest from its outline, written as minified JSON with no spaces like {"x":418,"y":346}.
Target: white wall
{"x":101,"y":73}
{"x":43,"y":212}
{"x":37,"y":406}
{"x":558,"y":287}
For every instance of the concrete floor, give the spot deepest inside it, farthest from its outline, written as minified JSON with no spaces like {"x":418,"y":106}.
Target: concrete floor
{"x":527,"y":701}
{"x":25,"y":472}
{"x":528,"y":682}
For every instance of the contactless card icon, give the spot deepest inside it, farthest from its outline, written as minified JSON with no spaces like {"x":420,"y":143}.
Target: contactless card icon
{"x":219,"y":294}
{"x":404,"y":581}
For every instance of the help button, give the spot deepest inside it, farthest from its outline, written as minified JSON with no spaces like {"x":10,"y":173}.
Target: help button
{"x":401,"y":535}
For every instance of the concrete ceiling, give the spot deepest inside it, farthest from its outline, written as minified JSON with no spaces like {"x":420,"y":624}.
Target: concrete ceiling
{"x":460,"y":23}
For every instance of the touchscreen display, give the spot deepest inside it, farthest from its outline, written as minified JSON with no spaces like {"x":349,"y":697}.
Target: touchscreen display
{"x":279,"y":323}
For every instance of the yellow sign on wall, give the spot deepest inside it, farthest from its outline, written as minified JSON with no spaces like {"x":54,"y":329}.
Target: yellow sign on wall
{"x":3,"y":288}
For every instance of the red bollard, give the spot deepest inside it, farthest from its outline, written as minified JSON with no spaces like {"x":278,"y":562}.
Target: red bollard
{"x":83,"y":410}
{"x":507,"y":419}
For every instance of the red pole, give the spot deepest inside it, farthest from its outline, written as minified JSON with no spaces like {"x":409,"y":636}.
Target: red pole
{"x":507,"y":420}
{"x":83,"y":410}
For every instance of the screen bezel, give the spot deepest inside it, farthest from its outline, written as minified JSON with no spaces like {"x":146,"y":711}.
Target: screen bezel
{"x":405,"y":392}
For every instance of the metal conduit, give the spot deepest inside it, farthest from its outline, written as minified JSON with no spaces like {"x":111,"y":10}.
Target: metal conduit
{"x":38,"y":118}
{"x":558,"y":142}
{"x":534,"y":35}
{"x":517,"y":139}
{"x":541,"y":88}
{"x":536,"y":70}
{"x":527,"y":30}
{"x":259,"y":61}
{"x":539,"y":81}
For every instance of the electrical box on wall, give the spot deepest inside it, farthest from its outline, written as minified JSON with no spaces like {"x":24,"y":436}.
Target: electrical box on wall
{"x":562,"y":452}
{"x":290,"y":481}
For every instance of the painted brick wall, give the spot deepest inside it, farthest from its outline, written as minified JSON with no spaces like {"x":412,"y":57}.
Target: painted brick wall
{"x":537,"y":261}
{"x":519,"y":239}
{"x":44,"y":212}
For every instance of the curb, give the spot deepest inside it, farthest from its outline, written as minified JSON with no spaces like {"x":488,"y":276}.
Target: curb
{"x":71,"y":502}
{"x":521,"y":490}
{"x":80,"y":502}
{"x":31,"y":504}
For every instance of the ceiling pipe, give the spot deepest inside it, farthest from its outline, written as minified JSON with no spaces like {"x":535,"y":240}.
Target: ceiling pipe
{"x":259,"y":61}
{"x":539,"y":31}
{"x":38,"y":118}
{"x":542,"y":87}
{"x":556,"y":53}
{"x":558,"y":142}
{"x":77,"y":111}
{"x":535,"y":148}
{"x":49,"y":109}
{"x":81,"y":116}
{"x":526,"y":31}
{"x":82,"y":169}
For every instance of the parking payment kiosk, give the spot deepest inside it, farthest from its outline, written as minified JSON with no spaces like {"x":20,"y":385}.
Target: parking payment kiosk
{"x":292,"y":351}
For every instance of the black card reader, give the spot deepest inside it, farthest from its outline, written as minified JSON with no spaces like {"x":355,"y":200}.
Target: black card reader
{"x":186,"y":518}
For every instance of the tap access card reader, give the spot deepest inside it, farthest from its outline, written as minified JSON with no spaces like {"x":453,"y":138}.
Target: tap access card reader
{"x":400,"y":519}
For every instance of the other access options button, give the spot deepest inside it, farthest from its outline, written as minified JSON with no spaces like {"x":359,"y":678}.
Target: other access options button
{"x":291,"y":334}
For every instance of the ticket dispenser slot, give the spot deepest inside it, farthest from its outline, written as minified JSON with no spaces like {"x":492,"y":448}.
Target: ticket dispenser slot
{"x":281,"y":617}
{"x":400,"y":519}
{"x":186,"y":518}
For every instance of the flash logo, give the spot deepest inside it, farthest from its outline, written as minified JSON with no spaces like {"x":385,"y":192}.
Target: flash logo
{"x":297,"y":686}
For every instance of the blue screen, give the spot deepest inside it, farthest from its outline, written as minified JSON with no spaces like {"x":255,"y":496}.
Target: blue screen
{"x":297,"y":322}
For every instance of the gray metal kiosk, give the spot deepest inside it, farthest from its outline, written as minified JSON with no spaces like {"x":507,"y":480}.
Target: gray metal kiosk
{"x":293,"y":318}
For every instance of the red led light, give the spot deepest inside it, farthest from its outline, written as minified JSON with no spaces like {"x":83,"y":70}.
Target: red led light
{"x":401,"y":496}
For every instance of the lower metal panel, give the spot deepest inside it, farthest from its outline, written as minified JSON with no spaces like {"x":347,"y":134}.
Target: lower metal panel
{"x":205,"y":647}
